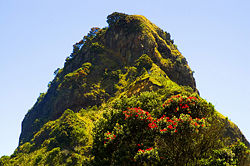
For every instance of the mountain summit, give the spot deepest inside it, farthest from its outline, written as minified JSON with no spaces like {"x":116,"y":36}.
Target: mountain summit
{"x":126,"y":96}
{"x":95,"y":65}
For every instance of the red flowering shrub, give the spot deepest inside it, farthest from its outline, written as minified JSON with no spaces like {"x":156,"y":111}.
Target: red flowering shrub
{"x":137,"y":114}
{"x":181,"y":127}
{"x":130,"y":129}
{"x":183,"y":123}
{"x":109,"y":137}
{"x":194,"y":106}
{"x":138,"y":121}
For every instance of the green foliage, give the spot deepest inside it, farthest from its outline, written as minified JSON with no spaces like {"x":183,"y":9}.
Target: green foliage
{"x":148,"y":156}
{"x":67,"y":132}
{"x":96,"y":94}
{"x":183,"y":137}
{"x":66,"y":141}
{"x":93,"y":31}
{"x":242,"y":153}
{"x":144,"y":62}
{"x":194,"y":106}
{"x":223,"y":157}
{"x":129,"y":23}
{"x":41,"y":96}
{"x":86,"y":41}
{"x":4,"y":160}
{"x":134,"y":136}
{"x":96,"y":48}
{"x":149,"y":101}
{"x":77,"y":78}
{"x":53,"y":157}
{"x":25,"y":148}
{"x":236,"y":154}
{"x":167,"y":63}
{"x":115,"y":17}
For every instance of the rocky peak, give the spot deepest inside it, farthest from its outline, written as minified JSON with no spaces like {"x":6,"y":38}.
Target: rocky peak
{"x":134,"y":35}
{"x":91,"y":74}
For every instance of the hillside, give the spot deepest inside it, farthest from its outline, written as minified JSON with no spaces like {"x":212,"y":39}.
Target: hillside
{"x":126,"y":96}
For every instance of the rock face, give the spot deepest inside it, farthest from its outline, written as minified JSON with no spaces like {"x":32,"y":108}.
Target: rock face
{"x":88,"y":77}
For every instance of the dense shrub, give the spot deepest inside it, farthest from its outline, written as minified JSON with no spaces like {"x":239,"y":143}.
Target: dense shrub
{"x":236,"y":154}
{"x":242,"y":153}
{"x":149,"y":101}
{"x":194,"y":106}
{"x":4,"y":160}
{"x":77,"y":78}
{"x":134,"y":137}
{"x":68,"y":131}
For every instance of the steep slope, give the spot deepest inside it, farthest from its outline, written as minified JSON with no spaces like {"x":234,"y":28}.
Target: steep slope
{"x":125,"y":96}
{"x":90,"y":74}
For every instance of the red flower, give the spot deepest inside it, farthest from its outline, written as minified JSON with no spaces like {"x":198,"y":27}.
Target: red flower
{"x":152,"y":125}
{"x":163,"y":130}
{"x":170,"y":126}
{"x":141,"y":150}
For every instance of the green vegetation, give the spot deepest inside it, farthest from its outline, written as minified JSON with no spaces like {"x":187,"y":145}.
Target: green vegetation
{"x":126,"y":96}
{"x":178,"y":133}
{"x":144,"y":62}
{"x":66,"y":141}
{"x":136,"y":130}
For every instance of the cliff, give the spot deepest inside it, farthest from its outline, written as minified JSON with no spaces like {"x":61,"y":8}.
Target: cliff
{"x":106,"y":50}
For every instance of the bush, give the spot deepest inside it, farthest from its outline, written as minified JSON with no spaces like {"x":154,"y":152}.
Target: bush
{"x":144,"y":62}
{"x":135,"y":137}
{"x":77,"y":78}
{"x":242,"y":154}
{"x":149,"y":101}
{"x":114,"y":17}
{"x":4,"y":160}
{"x":192,"y":105}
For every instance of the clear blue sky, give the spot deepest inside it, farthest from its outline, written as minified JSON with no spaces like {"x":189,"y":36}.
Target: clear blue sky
{"x":37,"y":35}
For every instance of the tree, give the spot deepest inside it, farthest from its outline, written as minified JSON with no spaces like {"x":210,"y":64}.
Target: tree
{"x":115,"y":17}
{"x":178,"y":134}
